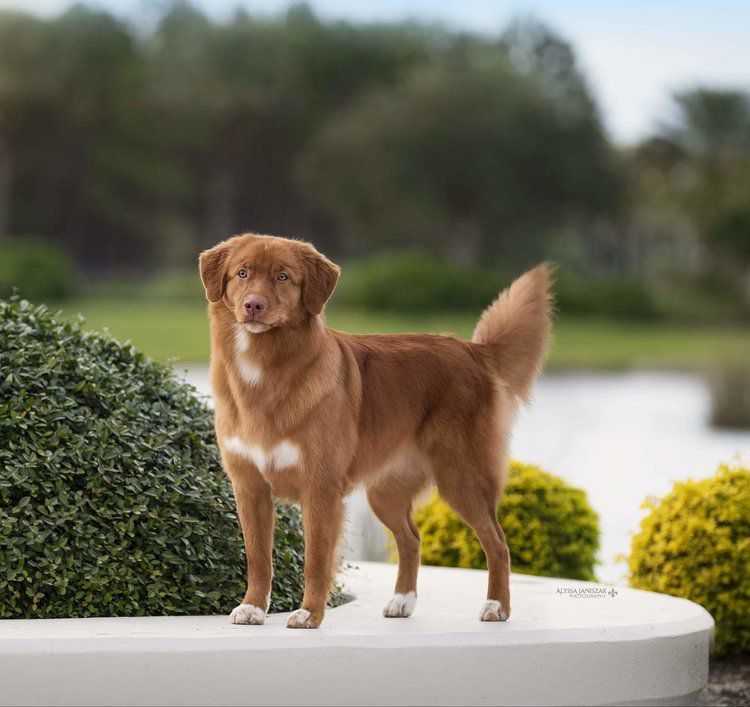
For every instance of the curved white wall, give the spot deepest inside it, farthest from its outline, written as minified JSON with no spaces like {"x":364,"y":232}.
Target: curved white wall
{"x":561,"y":646}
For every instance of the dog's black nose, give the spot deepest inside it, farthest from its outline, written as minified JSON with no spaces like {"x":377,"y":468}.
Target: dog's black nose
{"x":255,"y":305}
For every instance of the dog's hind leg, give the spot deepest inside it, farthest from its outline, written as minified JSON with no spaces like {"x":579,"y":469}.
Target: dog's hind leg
{"x":391,"y":500}
{"x":471,"y":486}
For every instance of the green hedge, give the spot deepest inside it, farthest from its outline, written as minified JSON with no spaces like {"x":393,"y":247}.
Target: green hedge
{"x":414,"y":281}
{"x":550,"y":528}
{"x":695,"y":543}
{"x":611,"y":297}
{"x":112,"y":497}
{"x":418,"y":281}
{"x":35,"y":268}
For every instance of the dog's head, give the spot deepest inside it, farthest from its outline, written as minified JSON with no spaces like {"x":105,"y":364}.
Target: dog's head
{"x":268,"y":282}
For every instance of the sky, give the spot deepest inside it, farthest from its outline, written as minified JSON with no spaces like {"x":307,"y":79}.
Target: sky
{"x":635,"y":53}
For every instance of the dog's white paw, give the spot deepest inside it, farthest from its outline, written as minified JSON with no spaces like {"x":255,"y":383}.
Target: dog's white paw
{"x":400,"y":606}
{"x":492,"y":610}
{"x":247,"y":614}
{"x":301,"y":619}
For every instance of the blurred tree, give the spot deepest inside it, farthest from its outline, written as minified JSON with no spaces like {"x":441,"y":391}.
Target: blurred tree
{"x":731,"y":233}
{"x":81,"y":169}
{"x":712,"y":125}
{"x":136,"y":148}
{"x":4,"y":176}
{"x":265,"y":86}
{"x":470,"y":154}
{"x":692,"y":186}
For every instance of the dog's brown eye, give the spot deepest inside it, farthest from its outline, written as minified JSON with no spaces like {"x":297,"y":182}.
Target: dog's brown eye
{"x":242,"y":273}
{"x":283,"y":276}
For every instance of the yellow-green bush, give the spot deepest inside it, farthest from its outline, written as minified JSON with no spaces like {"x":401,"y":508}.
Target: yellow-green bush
{"x":550,"y":527}
{"x":695,"y":543}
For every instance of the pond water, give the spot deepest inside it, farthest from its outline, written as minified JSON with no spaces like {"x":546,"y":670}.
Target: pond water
{"x":619,"y":436}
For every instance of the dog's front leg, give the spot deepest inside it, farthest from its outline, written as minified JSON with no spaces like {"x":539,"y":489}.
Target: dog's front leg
{"x":322,"y":516}
{"x":255,"y":509}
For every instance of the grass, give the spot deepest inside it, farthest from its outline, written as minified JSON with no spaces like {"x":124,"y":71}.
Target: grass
{"x":179,"y":330}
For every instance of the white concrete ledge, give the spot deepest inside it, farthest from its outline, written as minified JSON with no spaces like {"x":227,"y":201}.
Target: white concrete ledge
{"x":557,"y":648}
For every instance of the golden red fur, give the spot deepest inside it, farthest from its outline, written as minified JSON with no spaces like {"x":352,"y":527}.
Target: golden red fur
{"x":306,"y":413}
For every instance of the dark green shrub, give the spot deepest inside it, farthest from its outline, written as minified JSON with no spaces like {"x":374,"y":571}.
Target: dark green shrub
{"x":416,"y":281}
{"x":37,"y":269}
{"x":695,"y":543}
{"x":413,"y":281}
{"x":707,"y":298}
{"x":112,"y":497}
{"x":603,"y":297}
{"x":731,"y":233}
{"x":550,"y":528}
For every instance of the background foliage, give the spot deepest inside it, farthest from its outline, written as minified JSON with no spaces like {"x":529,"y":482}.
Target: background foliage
{"x":550,"y":528}
{"x":416,"y":281}
{"x":112,"y":497}
{"x":37,"y":269}
{"x":695,"y":543}
{"x":134,"y":147}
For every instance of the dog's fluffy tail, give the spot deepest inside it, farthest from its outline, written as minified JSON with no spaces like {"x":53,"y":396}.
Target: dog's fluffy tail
{"x":516,"y":329}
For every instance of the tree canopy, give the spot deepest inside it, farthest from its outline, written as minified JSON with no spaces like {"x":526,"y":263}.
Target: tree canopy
{"x":137,"y":148}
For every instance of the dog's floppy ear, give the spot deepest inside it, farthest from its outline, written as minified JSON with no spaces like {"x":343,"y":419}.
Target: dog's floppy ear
{"x":321,"y":276}
{"x":211,"y":264}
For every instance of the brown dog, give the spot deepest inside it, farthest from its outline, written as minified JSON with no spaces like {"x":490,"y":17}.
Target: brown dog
{"x":306,"y":413}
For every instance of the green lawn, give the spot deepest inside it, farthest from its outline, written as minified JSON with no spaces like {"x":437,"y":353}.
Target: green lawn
{"x":179,"y":330}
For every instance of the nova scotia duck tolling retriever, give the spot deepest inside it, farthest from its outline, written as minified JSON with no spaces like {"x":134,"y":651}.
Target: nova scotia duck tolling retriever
{"x":307,"y":413}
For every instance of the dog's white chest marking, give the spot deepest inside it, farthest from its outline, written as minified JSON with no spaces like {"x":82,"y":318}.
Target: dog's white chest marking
{"x":248,"y":371}
{"x":282,"y":456}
